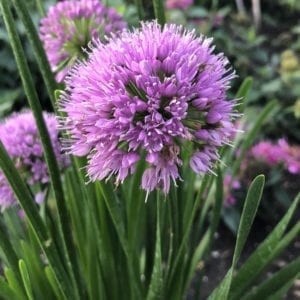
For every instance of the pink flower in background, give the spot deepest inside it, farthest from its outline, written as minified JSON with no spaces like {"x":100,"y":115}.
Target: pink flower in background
{"x":270,"y":153}
{"x":146,"y":94}
{"x":180,"y":4}
{"x":20,"y":137}
{"x":68,"y":28}
{"x":230,"y":184}
{"x":291,"y":156}
{"x":278,"y":153}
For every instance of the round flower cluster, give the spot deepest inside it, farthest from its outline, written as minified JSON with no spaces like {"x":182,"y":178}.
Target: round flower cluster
{"x":70,"y":26}
{"x":145,"y":95}
{"x":180,"y":4}
{"x":19,"y":136}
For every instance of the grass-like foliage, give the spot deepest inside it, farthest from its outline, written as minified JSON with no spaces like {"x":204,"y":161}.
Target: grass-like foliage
{"x":98,"y":241}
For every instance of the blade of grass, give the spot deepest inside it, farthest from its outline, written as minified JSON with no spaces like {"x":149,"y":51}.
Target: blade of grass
{"x":159,"y":11}
{"x":14,"y":284}
{"x":40,"y":7}
{"x":30,"y":209}
{"x":6,"y":292}
{"x":249,"y":211}
{"x":37,"y":47}
{"x":243,"y":92}
{"x":54,"y":284}
{"x":50,"y":158}
{"x":35,"y":267}
{"x":156,"y":285}
{"x":273,"y":284}
{"x":9,"y":252}
{"x":175,"y":264}
{"x":203,"y":247}
{"x":111,"y":202}
{"x":26,"y":279}
{"x":140,"y":10}
{"x":269,"y":249}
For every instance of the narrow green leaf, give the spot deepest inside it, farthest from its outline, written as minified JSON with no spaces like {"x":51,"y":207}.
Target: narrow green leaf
{"x":54,"y":284}
{"x":159,"y":11}
{"x":205,"y":243}
{"x":113,"y":206}
{"x":156,"y":284}
{"x":14,"y":284}
{"x":6,"y":292}
{"x":274,"y":283}
{"x":249,"y":210}
{"x":140,"y":10}
{"x":35,"y":267}
{"x":243,"y":91}
{"x":28,"y":205}
{"x":40,"y":7}
{"x":26,"y":279}
{"x":37,"y":47}
{"x":50,"y":157}
{"x":265,"y":253}
{"x":180,"y":253}
{"x":9,"y":252}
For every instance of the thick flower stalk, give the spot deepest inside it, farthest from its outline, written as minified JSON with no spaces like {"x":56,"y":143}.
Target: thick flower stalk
{"x":145,"y":95}
{"x":68,"y":28}
{"x":178,"y":4}
{"x":20,"y":137}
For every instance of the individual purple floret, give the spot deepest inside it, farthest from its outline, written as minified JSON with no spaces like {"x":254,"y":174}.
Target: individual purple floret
{"x":19,"y":136}
{"x":146,"y":95}
{"x":68,"y":28}
{"x":179,"y":4}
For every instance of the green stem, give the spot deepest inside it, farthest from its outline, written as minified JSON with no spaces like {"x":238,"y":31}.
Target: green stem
{"x":139,"y":6}
{"x":9,"y":252}
{"x":37,"y":48}
{"x":159,"y":11}
{"x":28,"y":205}
{"x":40,"y":7}
{"x":50,"y":158}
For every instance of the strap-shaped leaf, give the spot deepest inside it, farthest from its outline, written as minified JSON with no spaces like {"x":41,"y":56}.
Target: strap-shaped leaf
{"x":249,"y":211}
{"x":37,"y":47}
{"x":159,"y":11}
{"x":6,"y":292}
{"x":243,"y":91}
{"x":156,"y":283}
{"x":26,"y":279}
{"x":266,"y":252}
{"x":273,"y":284}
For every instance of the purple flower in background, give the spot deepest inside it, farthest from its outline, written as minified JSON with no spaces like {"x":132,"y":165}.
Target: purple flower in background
{"x":180,"y":4}
{"x":291,"y":157}
{"x":270,"y":153}
{"x":146,"y":94}
{"x":20,"y":137}
{"x":230,"y":184}
{"x":70,"y":26}
{"x":279,"y":153}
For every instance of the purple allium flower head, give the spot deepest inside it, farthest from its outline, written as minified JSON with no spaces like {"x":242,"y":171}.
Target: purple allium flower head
{"x":70,"y":26}
{"x":20,"y":137}
{"x":180,"y":4}
{"x":145,"y":94}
